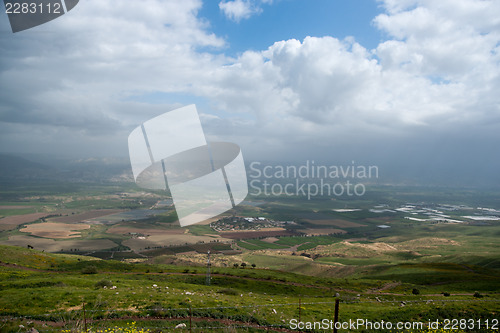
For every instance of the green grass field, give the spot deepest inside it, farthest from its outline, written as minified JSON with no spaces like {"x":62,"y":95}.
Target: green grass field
{"x":51,"y":289}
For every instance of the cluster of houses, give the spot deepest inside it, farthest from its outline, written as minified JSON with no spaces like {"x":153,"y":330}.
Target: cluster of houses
{"x":239,"y":223}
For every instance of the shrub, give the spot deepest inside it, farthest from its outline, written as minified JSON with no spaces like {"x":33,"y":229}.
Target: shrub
{"x":89,"y":270}
{"x":446,"y":294}
{"x":415,"y":291}
{"x":477,"y":295}
{"x":103,"y":283}
{"x":228,"y":291}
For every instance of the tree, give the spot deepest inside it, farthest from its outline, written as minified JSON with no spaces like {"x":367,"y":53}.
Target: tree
{"x":254,"y":265}
{"x":235,"y":265}
{"x":243,"y":265}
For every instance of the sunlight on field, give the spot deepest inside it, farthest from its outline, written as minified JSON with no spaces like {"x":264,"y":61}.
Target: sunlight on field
{"x":336,"y":223}
{"x":321,"y":232}
{"x":11,"y":222}
{"x":55,"y":230}
{"x":59,"y":245}
{"x":160,"y":239}
{"x":86,"y":216}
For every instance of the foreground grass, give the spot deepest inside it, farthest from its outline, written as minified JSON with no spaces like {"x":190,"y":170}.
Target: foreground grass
{"x":50,"y":292}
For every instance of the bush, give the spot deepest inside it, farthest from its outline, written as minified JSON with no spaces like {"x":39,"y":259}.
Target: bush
{"x":89,"y":270}
{"x":103,"y":283}
{"x":477,"y":295}
{"x":415,"y":291}
{"x":445,"y":294}
{"x":228,"y":291}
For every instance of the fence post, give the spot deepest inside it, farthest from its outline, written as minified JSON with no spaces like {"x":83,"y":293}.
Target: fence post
{"x":300,"y":306}
{"x":190,"y":315}
{"x":336,"y":316}
{"x":84,"y":318}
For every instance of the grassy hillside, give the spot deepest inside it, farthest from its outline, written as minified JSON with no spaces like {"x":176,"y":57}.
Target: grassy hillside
{"x":49,"y":292}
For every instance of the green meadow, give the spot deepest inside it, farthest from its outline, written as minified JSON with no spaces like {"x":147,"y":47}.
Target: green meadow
{"x":49,"y":292}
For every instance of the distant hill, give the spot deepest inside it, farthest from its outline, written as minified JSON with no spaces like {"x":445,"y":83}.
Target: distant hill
{"x":43,"y":168}
{"x":15,"y":167}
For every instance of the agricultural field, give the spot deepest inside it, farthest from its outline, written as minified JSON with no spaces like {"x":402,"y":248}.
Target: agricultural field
{"x":51,"y":245}
{"x":76,"y":218}
{"x":161,"y":239}
{"x":12,"y":222}
{"x":321,"y":232}
{"x":335,"y":223}
{"x":55,"y":230}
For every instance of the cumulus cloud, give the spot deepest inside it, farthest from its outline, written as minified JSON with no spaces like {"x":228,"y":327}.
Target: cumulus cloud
{"x":429,"y":92}
{"x":436,"y":71}
{"x":79,"y":71}
{"x":447,"y":39}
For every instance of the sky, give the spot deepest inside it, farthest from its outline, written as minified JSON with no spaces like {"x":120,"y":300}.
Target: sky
{"x":408,"y":85}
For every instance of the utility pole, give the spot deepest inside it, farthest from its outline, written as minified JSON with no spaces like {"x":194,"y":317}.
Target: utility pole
{"x":208,"y":278}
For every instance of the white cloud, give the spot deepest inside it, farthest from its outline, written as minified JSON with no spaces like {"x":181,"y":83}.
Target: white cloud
{"x":236,"y":10}
{"x":446,"y":39}
{"x":80,"y":70}
{"x":438,"y":75}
